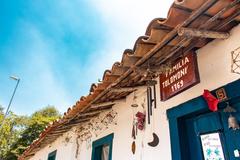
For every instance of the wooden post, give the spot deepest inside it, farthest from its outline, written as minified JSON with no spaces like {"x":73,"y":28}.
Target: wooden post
{"x":190,"y":32}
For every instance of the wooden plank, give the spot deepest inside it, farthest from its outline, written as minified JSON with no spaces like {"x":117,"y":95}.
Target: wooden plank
{"x":129,"y":60}
{"x":57,"y":131}
{"x":57,"y":134}
{"x":102,"y":108}
{"x":87,"y":115}
{"x":204,"y":26}
{"x":78,"y":121}
{"x":109,"y":97}
{"x":69,"y":125}
{"x":127,"y":89}
{"x":99,"y":105}
{"x":191,"y":32}
{"x":228,"y":20}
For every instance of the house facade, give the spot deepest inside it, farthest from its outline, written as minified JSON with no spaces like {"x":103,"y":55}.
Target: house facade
{"x":174,"y":96}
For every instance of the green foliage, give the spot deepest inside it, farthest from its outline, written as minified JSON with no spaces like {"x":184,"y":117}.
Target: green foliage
{"x":18,"y":132}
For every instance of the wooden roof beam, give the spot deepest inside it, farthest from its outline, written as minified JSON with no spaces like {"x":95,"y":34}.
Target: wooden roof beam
{"x":120,"y":90}
{"x":100,"y":105}
{"x":205,"y":26}
{"x":191,"y":32}
{"x":72,"y":124}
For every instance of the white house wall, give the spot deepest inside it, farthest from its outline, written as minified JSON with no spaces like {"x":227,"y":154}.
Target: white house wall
{"x":64,"y":149}
{"x":214,"y":61}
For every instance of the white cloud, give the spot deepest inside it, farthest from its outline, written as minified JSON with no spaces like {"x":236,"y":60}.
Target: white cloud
{"x":130,"y":18}
{"x":125,"y":21}
{"x":38,"y":81}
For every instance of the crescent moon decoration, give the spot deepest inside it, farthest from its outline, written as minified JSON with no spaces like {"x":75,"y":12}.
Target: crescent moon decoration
{"x":155,"y":141}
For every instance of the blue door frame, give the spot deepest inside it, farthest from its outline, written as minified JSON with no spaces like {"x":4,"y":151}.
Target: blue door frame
{"x":194,"y":106}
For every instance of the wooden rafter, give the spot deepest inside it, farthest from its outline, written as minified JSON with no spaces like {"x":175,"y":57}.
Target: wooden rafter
{"x":126,"y":89}
{"x":191,"y":32}
{"x":100,"y":105}
{"x":203,"y":26}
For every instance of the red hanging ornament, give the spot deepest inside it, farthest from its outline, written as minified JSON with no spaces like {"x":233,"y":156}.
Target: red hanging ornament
{"x":140,"y":120}
{"x":211,"y":100}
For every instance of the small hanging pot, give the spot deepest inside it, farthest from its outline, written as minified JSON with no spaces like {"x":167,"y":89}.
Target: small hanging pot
{"x":133,"y":147}
{"x":233,"y":123}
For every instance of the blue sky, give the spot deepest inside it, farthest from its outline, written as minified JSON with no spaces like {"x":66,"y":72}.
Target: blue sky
{"x":59,"y":48}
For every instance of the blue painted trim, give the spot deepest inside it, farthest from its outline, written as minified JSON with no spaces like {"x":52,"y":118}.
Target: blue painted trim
{"x":174,"y":136}
{"x":194,"y":106}
{"x":103,"y":141}
{"x":52,"y":154}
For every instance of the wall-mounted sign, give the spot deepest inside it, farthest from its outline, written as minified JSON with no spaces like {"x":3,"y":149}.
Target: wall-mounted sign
{"x":212,"y":147}
{"x":183,"y":75}
{"x":221,"y":94}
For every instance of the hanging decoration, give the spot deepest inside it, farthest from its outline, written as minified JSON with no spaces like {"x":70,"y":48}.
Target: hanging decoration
{"x":232,"y":121}
{"x":134,"y":105}
{"x":155,"y":140}
{"x":151,"y":98}
{"x":140,"y":120}
{"x":211,"y":100}
{"x":221,"y":94}
{"x":235,"y":66}
{"x":152,"y":103}
{"x":229,"y":109}
{"x":133,"y":147}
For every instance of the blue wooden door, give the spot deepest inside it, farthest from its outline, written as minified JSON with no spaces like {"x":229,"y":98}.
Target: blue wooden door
{"x":98,"y":153}
{"x":197,"y":126}
{"x":232,"y":136}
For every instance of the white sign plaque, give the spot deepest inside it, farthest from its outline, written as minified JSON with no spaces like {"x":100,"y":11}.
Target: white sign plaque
{"x":212,"y":147}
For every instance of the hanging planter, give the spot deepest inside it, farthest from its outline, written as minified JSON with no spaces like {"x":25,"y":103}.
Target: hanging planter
{"x":140,"y":120}
{"x":232,"y":121}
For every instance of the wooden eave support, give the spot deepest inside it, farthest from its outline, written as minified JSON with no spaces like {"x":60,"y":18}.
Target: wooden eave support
{"x":205,"y":25}
{"x":101,"y":108}
{"x":191,"y":32}
{"x":100,"y":105}
{"x":120,"y":90}
{"x":154,"y":69}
